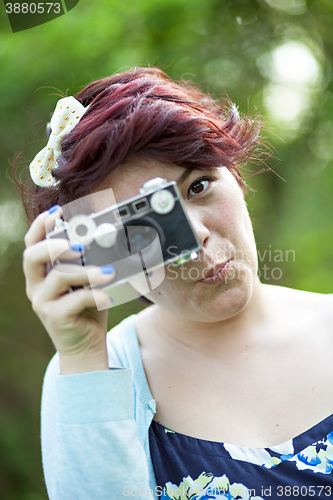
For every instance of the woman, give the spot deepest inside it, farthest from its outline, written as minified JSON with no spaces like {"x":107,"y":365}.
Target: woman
{"x":222,"y":387}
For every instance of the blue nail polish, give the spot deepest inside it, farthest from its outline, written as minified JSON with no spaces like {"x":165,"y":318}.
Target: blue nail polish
{"x":107,"y":269}
{"x":76,"y":247}
{"x":53,"y":209}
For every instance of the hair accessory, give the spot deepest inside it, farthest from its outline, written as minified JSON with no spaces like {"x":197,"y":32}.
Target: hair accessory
{"x":67,"y":114}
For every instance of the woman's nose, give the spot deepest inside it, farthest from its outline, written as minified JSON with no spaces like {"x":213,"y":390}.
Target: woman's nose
{"x":200,"y":227}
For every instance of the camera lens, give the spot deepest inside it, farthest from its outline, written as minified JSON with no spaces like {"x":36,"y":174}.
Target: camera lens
{"x":143,"y":235}
{"x":142,"y":240}
{"x":140,"y":237}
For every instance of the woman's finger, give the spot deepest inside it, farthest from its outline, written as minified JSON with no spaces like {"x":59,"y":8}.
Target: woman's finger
{"x":64,"y":277}
{"x":65,"y":313}
{"x":43,"y":223}
{"x":38,"y":255}
{"x":73,"y":304}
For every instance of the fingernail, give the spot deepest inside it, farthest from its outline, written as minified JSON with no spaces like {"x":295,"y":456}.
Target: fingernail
{"x":76,"y":247}
{"x":53,"y":209}
{"x":107,"y":269}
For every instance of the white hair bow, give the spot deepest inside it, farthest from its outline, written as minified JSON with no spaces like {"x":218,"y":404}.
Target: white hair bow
{"x":66,"y":116}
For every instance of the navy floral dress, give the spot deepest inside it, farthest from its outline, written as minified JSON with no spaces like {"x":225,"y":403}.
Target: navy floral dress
{"x":188,"y":468}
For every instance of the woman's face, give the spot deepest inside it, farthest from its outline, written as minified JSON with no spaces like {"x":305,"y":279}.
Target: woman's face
{"x":221,"y":281}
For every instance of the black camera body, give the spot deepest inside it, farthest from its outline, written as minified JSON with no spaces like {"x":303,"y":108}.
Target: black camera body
{"x":137,"y":236}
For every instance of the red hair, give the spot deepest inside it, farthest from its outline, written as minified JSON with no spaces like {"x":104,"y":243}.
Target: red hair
{"x":143,"y":112}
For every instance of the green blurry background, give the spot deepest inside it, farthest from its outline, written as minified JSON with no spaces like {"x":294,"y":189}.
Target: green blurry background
{"x":272,"y":57}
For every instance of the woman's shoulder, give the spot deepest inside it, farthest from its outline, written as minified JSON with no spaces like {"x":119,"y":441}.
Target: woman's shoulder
{"x":298,"y":297}
{"x":305,"y":308}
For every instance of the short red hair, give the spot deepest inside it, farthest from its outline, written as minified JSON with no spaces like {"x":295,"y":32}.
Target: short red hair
{"x":143,"y":112}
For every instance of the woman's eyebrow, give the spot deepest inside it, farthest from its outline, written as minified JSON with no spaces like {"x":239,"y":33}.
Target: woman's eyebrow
{"x":182,"y":178}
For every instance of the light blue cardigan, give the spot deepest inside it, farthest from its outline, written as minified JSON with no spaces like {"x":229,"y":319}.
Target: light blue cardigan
{"x":94,"y":427}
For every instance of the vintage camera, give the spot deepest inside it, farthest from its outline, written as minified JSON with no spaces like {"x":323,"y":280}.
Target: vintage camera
{"x":137,"y":236}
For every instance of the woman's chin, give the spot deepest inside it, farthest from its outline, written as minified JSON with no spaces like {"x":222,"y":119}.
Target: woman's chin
{"x":203,"y":303}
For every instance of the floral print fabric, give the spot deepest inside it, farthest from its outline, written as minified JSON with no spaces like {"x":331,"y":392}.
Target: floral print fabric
{"x":187,"y":468}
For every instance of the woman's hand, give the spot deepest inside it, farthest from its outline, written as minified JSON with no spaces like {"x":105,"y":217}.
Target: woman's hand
{"x":75,"y":321}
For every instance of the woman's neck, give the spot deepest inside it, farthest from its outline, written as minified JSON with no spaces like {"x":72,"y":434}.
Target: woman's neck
{"x":228,"y":335}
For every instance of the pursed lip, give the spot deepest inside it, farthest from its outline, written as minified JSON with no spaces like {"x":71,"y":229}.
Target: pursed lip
{"x":214,"y":271}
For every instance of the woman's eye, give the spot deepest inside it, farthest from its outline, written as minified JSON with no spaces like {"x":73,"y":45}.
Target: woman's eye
{"x":199,"y":186}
